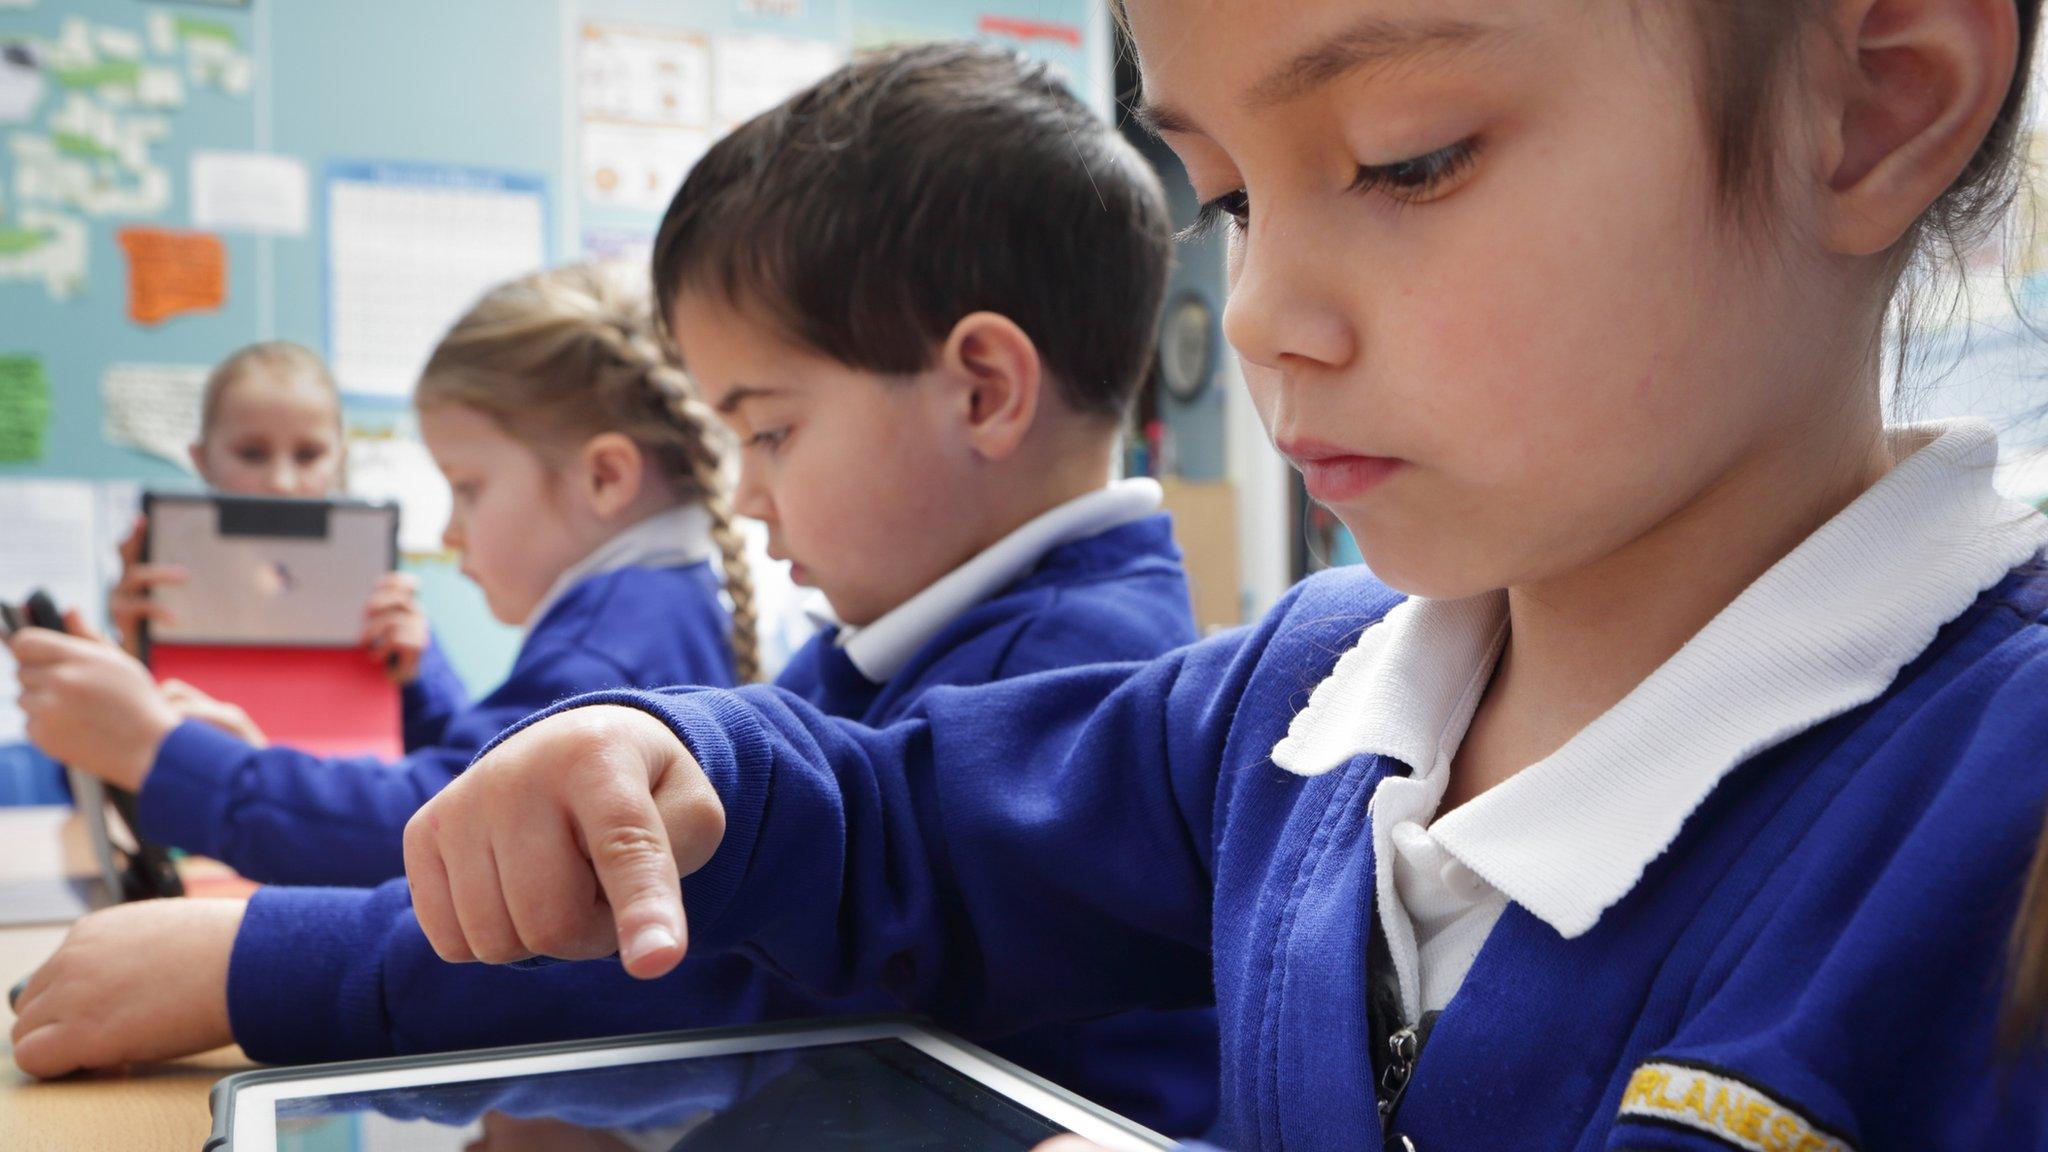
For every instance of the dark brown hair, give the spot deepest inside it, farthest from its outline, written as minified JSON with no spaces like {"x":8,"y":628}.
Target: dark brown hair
{"x":870,"y":213}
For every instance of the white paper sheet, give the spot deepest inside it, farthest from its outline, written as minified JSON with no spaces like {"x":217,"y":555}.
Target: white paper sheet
{"x":154,"y":407}
{"x":21,"y":83}
{"x":751,"y":73}
{"x":249,"y":192}
{"x":644,"y":75}
{"x":636,"y":166}
{"x":397,"y":467}
{"x":53,"y":544}
{"x":410,"y":248}
{"x":629,"y":245}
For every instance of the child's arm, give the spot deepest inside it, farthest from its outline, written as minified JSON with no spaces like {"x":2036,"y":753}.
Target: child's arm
{"x":138,"y":982}
{"x":432,"y":700}
{"x":280,"y":815}
{"x":1015,"y":853}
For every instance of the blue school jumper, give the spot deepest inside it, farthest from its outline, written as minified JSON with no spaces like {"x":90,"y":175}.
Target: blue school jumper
{"x":281,"y":816}
{"x":377,"y":989}
{"x":1816,"y":961}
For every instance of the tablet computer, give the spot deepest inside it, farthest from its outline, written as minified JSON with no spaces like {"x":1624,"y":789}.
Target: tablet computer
{"x":873,"y":1083}
{"x":267,"y":571}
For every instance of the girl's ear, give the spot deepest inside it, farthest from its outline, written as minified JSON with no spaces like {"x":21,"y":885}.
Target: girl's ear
{"x":1921,"y":83}
{"x":611,"y":469}
{"x":198,"y":450}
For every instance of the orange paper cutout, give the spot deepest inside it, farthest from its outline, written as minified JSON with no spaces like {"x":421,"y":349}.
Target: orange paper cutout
{"x":171,"y":273}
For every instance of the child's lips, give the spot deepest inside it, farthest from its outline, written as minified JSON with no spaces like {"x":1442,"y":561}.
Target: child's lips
{"x":1334,"y":475}
{"x":1342,"y":478}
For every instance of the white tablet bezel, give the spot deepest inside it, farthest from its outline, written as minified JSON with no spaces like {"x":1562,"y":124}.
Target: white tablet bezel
{"x":254,"y":1106}
{"x":219,"y":603}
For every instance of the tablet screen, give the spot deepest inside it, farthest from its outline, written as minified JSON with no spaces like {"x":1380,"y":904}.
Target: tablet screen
{"x":880,"y":1093}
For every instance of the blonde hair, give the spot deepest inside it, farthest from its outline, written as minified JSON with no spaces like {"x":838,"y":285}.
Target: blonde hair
{"x":561,"y":355}
{"x":278,"y":357}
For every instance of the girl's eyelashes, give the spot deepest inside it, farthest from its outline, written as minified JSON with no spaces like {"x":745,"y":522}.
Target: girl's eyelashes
{"x":1419,"y":179}
{"x":769,"y":438}
{"x":1416,"y":180}
{"x":1236,"y":204}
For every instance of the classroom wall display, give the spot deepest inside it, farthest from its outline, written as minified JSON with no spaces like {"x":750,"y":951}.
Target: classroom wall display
{"x":409,"y":248}
{"x":265,"y":158}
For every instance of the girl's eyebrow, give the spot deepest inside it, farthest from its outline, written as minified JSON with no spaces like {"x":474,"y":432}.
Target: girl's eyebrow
{"x":1373,"y":42}
{"x":732,"y":400}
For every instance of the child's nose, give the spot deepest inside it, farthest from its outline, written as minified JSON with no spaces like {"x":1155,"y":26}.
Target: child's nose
{"x":284,"y":479}
{"x":750,"y":495}
{"x":1276,"y":313}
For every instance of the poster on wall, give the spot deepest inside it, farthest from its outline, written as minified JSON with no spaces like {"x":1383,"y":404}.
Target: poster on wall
{"x":752,"y":72}
{"x":409,"y":248}
{"x":644,"y":101}
{"x":638,"y":167}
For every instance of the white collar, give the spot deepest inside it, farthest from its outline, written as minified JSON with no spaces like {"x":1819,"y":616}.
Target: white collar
{"x":881,"y":649}
{"x":671,"y":538}
{"x":1825,"y":630}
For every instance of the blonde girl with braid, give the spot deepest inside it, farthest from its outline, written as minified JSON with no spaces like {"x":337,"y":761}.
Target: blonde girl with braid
{"x":590,"y":509}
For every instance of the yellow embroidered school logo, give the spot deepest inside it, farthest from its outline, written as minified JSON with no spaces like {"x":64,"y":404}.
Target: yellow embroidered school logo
{"x":1739,"y":1114}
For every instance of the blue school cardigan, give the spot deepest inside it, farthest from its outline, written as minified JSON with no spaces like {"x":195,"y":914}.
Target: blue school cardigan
{"x":1815,"y":964}
{"x":282,"y":816}
{"x":325,"y":975}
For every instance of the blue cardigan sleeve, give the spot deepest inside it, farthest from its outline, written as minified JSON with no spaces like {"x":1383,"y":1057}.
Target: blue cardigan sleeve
{"x":432,"y":701}
{"x":346,"y":973}
{"x":1068,"y":878}
{"x":1013,"y":854}
{"x":282,"y":816}
{"x":1064,"y":870}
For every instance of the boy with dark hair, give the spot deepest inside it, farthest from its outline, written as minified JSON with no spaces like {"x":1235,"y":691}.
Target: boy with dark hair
{"x":922,"y":294}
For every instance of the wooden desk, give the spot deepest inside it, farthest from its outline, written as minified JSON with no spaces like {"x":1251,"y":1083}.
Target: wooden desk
{"x":162,"y":1107}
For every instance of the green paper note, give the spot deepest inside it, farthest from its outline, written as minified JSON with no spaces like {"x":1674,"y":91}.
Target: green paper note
{"x":24,"y":408}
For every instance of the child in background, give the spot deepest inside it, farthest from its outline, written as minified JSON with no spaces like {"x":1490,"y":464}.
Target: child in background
{"x":587,"y":507}
{"x":928,"y":435}
{"x":1677,"y":789}
{"x":270,"y":425}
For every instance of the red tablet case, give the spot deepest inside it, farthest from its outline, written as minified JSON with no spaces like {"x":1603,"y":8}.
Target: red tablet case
{"x":327,"y":701}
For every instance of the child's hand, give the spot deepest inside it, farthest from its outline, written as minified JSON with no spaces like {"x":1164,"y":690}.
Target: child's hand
{"x":566,"y":840}
{"x":130,"y":602}
{"x":193,"y":704}
{"x":394,"y":627}
{"x":137,"y":982}
{"x":89,"y":704}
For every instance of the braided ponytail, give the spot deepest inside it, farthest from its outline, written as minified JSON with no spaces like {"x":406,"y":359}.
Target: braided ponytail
{"x":700,"y":427}
{"x":561,"y":355}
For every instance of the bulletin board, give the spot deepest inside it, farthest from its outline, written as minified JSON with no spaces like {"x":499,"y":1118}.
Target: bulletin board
{"x":200,"y":146}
